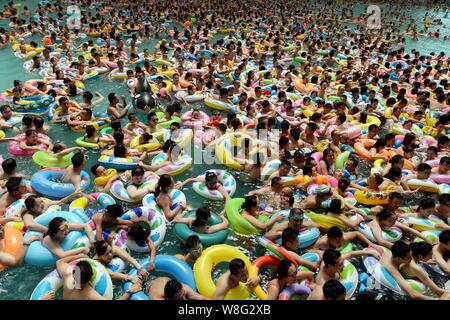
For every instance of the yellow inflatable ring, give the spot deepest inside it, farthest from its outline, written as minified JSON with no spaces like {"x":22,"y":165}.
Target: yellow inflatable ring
{"x":203,"y":269}
{"x":101,"y":181}
{"x":223,"y":149}
{"x":150,"y":146}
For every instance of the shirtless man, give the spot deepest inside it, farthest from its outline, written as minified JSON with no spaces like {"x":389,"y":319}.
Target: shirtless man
{"x":237,"y":272}
{"x":441,"y":251}
{"x":296,"y":221}
{"x":16,"y":189}
{"x":164,"y":288}
{"x":332,"y":266}
{"x":194,"y":248}
{"x":72,"y":174}
{"x":336,"y":239}
{"x":84,"y":290}
{"x":400,"y":264}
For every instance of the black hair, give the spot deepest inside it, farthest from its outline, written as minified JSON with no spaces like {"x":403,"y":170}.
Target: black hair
{"x":192,"y":241}
{"x":426,"y":203}
{"x":138,"y":232}
{"x":13,"y":184}
{"x":333,"y":289}
{"x":114,"y":210}
{"x":77,"y":159}
{"x":282,"y":269}
{"x":171,"y":289}
{"x":201,"y":217}
{"x":101,"y":246}
{"x":400,"y":249}
{"x":330,"y":257}
{"x":236,"y":265}
{"x":86,"y":271}
{"x":420,"y":249}
{"x":94,"y":169}
{"x":334,"y":232}
{"x":444,"y":237}
{"x":288,"y":235}
{"x":249,"y":202}
{"x":137,"y":171}
{"x":9,"y":165}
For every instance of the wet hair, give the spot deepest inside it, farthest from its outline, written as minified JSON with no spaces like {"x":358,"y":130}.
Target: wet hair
{"x":101,"y":246}
{"x":423,"y":166}
{"x":249,"y":202}
{"x":120,"y":151}
{"x":137,"y":171}
{"x":30,"y":201}
{"x":335,"y":206}
{"x":114,"y":210}
{"x":192,"y":241}
{"x":9,"y":165}
{"x":13,"y":184}
{"x":236,"y":265}
{"x":94,"y":169}
{"x":385,"y":214}
{"x":288,"y":235}
{"x":201,"y":217}
{"x":400,"y":249}
{"x":330,"y":257}
{"x":282,"y":269}
{"x":426,"y":203}
{"x":444,"y":237}
{"x":86,"y":271}
{"x":420,"y":249}
{"x":444,"y":198}
{"x":333,"y":289}
{"x":77,"y":159}
{"x":53,"y":226}
{"x":138,"y":232}
{"x":171,"y":289}
{"x":395,"y":195}
{"x":393,"y":173}
{"x":163,"y":183}
{"x":334,"y":232}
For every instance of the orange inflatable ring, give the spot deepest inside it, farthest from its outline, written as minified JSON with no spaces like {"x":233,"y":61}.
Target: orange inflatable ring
{"x":361,"y":148}
{"x":13,"y":243}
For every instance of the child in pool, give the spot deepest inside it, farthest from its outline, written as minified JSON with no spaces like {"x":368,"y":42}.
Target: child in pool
{"x":133,"y":125}
{"x":163,"y":199}
{"x":193,"y":247}
{"x":211,"y":183}
{"x":91,"y":136}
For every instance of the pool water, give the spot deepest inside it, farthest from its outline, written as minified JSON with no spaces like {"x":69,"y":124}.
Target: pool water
{"x":18,"y":283}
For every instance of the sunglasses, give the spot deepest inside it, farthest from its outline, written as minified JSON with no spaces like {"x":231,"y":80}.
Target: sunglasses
{"x":298,"y":218}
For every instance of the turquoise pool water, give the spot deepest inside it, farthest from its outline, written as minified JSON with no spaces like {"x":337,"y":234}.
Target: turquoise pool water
{"x":18,"y":283}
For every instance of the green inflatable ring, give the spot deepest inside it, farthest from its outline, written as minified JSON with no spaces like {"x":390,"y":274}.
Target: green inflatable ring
{"x":347,"y":248}
{"x":167,"y":124}
{"x":333,"y":98}
{"x":182,"y":231}
{"x":299,"y":59}
{"x":106,"y":130}
{"x":342,"y":159}
{"x":45,"y":160}
{"x":239,"y":223}
{"x":80,"y":141}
